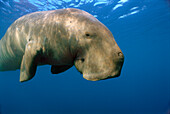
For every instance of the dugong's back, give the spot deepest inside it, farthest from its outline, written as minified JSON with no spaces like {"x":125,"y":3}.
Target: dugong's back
{"x":12,"y":45}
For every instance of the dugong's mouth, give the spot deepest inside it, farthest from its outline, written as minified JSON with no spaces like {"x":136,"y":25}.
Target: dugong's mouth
{"x":106,"y":73}
{"x":103,"y":75}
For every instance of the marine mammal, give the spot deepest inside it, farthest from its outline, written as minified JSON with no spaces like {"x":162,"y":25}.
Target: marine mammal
{"x":61,"y":38}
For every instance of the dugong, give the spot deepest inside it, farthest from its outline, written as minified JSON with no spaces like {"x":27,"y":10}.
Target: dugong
{"x":61,"y":38}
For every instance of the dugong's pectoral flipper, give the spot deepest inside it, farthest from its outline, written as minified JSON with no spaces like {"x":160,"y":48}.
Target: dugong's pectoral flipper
{"x":55,"y":69}
{"x":30,"y":60}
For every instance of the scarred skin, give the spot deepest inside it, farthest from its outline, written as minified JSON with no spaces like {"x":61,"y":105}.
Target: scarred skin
{"x":61,"y":38}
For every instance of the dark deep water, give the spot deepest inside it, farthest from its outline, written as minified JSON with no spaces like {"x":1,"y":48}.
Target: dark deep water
{"x":142,"y":31}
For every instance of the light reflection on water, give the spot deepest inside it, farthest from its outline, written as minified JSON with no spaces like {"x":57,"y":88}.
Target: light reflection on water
{"x":23,"y":7}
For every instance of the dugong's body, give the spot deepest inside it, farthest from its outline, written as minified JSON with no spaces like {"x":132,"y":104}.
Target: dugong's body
{"x":61,"y":38}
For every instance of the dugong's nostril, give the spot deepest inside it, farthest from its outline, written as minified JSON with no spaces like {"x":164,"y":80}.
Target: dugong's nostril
{"x":120,"y":54}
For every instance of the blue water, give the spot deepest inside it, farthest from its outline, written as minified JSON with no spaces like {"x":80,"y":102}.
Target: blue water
{"x":142,"y":31}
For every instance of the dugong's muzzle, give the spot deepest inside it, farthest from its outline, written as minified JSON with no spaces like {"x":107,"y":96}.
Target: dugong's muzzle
{"x":110,"y":73}
{"x":99,"y":64}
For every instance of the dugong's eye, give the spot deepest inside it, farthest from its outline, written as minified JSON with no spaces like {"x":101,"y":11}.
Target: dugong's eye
{"x":87,"y":34}
{"x":90,"y":35}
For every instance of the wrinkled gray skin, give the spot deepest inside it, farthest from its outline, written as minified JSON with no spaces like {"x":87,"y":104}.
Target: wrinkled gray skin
{"x":61,"y":38}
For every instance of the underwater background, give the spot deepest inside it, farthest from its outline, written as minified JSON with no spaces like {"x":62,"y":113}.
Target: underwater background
{"x":142,"y":30}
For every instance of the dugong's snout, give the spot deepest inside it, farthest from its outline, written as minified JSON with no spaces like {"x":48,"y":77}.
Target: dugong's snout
{"x":100,"y":67}
{"x":109,"y":71}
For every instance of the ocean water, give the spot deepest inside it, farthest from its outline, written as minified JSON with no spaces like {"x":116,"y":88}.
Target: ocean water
{"x":142,"y":31}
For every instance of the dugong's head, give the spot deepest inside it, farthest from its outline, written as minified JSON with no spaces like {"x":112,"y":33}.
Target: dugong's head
{"x":97,"y":55}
